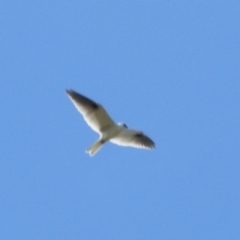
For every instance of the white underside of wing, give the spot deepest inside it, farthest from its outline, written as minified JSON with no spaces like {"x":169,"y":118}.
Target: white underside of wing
{"x":132,"y":138}
{"x":94,"y":114}
{"x":98,"y":120}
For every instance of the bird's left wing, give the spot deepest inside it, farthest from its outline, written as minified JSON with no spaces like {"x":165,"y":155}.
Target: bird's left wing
{"x":93,"y":113}
{"x":132,"y":138}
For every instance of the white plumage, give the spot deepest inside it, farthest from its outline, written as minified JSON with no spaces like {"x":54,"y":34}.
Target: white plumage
{"x":99,"y":120}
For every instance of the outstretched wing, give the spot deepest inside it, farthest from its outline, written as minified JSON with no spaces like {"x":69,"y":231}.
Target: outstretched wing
{"x":93,"y":113}
{"x":132,"y":138}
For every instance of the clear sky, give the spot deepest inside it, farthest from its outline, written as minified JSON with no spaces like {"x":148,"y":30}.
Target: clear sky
{"x":168,"y":68}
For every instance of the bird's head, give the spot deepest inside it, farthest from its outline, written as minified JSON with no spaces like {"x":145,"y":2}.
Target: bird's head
{"x":123,"y":125}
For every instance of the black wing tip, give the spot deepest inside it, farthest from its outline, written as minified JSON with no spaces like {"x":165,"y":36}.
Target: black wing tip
{"x":151,"y":144}
{"x":70,"y":91}
{"x":75,"y":96}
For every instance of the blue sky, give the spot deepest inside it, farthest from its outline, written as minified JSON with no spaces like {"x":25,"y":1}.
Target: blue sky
{"x":168,"y":68}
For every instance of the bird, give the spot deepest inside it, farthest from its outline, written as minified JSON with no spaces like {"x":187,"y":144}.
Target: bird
{"x":99,"y":120}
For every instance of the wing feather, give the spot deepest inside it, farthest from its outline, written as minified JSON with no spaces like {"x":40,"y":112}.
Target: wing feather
{"x":93,"y":113}
{"x":132,"y":138}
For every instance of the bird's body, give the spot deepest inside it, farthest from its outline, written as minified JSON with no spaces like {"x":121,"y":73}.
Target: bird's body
{"x":99,"y":120}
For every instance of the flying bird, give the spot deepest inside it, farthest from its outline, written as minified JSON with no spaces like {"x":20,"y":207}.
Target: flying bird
{"x":99,"y":120}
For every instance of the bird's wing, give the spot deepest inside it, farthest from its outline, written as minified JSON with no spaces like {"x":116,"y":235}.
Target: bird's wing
{"x":93,"y":113}
{"x":132,"y":138}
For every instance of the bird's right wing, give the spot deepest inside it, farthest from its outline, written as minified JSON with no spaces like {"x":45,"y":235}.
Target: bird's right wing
{"x":132,"y":138}
{"x":93,"y":113}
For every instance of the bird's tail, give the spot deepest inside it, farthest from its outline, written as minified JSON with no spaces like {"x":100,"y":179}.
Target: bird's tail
{"x":95,"y":147}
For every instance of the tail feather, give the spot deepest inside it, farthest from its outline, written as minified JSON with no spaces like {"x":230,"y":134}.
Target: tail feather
{"x":95,"y":147}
